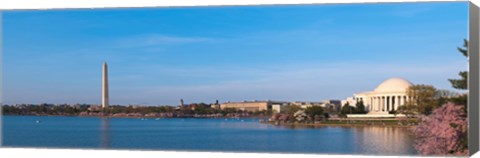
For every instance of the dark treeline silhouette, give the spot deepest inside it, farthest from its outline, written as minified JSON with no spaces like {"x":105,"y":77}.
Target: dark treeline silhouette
{"x":199,"y":110}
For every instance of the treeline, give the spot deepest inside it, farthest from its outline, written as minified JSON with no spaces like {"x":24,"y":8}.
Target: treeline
{"x":44,"y":109}
{"x":312,"y":114}
{"x":427,"y":98}
{"x":197,"y":110}
{"x":190,"y":110}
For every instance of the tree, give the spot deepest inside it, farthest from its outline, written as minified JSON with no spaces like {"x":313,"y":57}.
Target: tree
{"x":408,"y":110}
{"x":360,"y":108}
{"x":200,"y":109}
{"x":460,"y":100}
{"x":346,"y":104}
{"x":462,"y":82}
{"x":444,"y":132}
{"x":228,"y":111}
{"x":445,"y":96}
{"x":347,"y":109}
{"x":291,"y":109}
{"x":423,"y":99}
{"x":314,"y":111}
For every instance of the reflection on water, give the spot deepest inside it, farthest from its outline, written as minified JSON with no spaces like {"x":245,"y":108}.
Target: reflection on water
{"x":380,"y":140}
{"x":243,"y":123}
{"x":105,"y":140}
{"x":231,"y":135}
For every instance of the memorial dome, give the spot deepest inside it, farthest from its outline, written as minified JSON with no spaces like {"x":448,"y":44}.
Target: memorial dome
{"x":394,"y":85}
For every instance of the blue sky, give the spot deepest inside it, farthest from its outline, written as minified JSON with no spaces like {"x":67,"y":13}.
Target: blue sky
{"x":157,"y":56}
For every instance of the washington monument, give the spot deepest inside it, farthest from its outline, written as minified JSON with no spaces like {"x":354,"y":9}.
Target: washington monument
{"x":104,"y":87}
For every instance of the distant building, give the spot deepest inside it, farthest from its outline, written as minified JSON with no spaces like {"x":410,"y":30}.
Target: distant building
{"x":350,"y":101}
{"x":215,"y":106}
{"x":333,"y":102}
{"x":251,"y":105}
{"x":95,"y":108}
{"x":276,"y":108}
{"x":247,"y":105}
{"x":305,"y":105}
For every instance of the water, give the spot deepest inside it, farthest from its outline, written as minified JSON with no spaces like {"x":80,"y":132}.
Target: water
{"x":231,"y":135}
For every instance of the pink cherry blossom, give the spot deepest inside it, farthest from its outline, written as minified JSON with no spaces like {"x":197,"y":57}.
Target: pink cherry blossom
{"x":443,"y":132}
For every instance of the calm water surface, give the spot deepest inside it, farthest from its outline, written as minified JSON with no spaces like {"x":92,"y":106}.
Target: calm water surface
{"x":242,"y":135}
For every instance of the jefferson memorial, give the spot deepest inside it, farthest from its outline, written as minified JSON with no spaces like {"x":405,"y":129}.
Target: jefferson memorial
{"x":388,"y":96}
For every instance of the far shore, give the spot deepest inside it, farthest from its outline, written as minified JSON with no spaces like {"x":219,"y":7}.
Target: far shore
{"x":151,"y":117}
{"x":329,"y":123}
{"x":340,"y":125}
{"x":389,"y":122}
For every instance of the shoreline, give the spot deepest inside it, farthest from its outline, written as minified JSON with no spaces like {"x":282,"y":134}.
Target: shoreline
{"x":330,"y":123}
{"x":86,"y":116}
{"x":345,"y":122}
{"x":337,"y":125}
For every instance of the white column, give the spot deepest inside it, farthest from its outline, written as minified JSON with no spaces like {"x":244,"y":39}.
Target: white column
{"x":395,"y":105}
{"x":387,"y":106}
{"x":382,"y":107}
{"x":370,"y":104}
{"x":373,"y":103}
{"x":402,"y":100}
{"x":380,"y":102}
{"x":372,"y":100}
{"x":394,"y":102}
{"x":390,"y":103}
{"x":379,"y":106}
{"x":386,"y":103}
{"x":397,"y":102}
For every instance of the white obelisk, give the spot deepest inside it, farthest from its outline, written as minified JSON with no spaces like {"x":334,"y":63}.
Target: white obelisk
{"x":105,"y":87}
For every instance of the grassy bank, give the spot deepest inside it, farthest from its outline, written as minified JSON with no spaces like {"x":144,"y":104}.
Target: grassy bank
{"x":351,"y":123}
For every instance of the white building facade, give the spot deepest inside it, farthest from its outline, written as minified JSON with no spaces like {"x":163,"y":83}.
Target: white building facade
{"x":388,"y":96}
{"x":349,"y":100}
